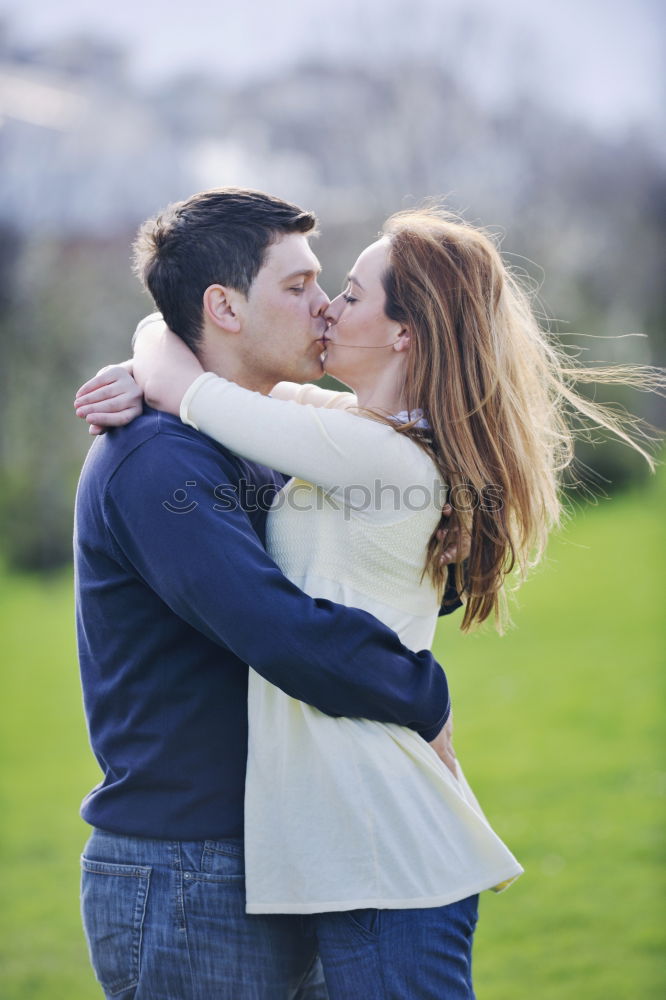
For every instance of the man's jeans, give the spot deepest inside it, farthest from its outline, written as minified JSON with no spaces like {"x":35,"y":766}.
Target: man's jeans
{"x":165,"y":920}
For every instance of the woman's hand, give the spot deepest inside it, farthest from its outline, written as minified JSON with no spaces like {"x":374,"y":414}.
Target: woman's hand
{"x":164,"y":367}
{"x":110,"y":399}
{"x":443,"y":746}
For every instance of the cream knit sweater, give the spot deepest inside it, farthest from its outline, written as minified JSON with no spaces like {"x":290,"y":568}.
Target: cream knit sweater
{"x":347,"y":813}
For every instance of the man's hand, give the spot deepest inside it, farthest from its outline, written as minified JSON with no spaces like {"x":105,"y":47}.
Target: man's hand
{"x":457,"y":541}
{"x":443,"y":746}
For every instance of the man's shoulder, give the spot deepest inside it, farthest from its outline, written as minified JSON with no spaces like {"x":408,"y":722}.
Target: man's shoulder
{"x":156,"y":431}
{"x":153,"y":438}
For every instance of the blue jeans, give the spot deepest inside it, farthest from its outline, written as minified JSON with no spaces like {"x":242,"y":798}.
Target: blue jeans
{"x":399,"y":954}
{"x":165,"y":920}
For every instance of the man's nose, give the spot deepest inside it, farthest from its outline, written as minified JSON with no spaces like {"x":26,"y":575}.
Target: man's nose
{"x":321,"y":302}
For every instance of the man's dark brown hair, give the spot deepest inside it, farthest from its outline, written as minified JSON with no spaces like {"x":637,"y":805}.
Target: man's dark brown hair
{"x":216,"y":237}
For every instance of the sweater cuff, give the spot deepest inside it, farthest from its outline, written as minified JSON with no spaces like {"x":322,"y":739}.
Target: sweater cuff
{"x":430,"y":734}
{"x":186,"y":401}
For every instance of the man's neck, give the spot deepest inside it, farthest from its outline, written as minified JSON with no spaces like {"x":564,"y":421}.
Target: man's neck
{"x":232,"y":368}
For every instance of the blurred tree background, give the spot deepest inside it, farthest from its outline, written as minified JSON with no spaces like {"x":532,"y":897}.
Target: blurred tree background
{"x":88,"y":151}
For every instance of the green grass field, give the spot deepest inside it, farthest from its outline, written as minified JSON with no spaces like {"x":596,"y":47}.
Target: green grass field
{"x":557,"y":725}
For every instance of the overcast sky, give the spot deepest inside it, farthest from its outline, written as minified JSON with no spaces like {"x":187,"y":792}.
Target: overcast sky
{"x":601,"y":59}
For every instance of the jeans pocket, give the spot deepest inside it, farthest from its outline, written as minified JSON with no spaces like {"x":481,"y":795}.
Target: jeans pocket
{"x":366,"y":920}
{"x":113,"y":907}
{"x":221,"y":861}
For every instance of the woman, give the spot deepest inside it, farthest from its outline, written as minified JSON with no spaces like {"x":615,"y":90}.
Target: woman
{"x":455,"y":384}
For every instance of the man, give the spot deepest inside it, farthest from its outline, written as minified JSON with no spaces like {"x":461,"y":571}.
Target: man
{"x":175,"y":596}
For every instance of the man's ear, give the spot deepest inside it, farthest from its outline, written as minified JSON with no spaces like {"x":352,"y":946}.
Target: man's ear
{"x":403,"y":339}
{"x":220,"y":306}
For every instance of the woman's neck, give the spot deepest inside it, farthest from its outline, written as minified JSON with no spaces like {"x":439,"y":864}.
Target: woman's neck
{"x":383,"y":393}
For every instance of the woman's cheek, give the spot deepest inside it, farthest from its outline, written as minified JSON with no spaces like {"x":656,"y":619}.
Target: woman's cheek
{"x":347,"y":320}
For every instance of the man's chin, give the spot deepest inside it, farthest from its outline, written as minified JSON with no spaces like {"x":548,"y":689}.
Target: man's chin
{"x":329,"y":369}
{"x":315,"y":371}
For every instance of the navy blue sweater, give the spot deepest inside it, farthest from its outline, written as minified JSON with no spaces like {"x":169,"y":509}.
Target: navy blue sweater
{"x":175,"y":595}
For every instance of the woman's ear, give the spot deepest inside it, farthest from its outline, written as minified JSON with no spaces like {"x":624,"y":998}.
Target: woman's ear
{"x":403,"y":339}
{"x":219,"y":305}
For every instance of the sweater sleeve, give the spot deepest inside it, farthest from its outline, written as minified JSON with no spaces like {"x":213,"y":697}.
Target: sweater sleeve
{"x":314,"y":395}
{"x":205,"y":562}
{"x":451,"y":598}
{"x":327,"y":447}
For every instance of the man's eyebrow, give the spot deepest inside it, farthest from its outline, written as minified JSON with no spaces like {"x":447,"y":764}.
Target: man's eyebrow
{"x":305,"y":273}
{"x":354,"y":281}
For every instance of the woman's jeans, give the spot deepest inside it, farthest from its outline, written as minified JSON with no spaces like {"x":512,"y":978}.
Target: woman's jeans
{"x":399,"y":954}
{"x":165,"y":920}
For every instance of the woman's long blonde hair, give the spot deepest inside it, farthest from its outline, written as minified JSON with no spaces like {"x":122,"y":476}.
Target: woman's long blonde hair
{"x":498,"y":394}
